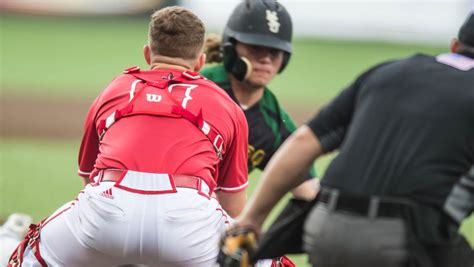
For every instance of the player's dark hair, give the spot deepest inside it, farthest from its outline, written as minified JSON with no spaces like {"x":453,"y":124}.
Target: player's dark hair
{"x":212,"y":48}
{"x":176,"y":32}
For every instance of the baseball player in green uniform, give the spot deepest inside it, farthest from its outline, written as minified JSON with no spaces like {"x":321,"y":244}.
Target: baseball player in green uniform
{"x":255,"y":47}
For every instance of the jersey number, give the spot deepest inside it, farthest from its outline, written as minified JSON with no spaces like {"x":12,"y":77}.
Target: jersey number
{"x":186,"y":98}
{"x":187,"y":92}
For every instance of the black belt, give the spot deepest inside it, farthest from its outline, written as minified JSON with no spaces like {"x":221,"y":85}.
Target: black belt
{"x":373,"y":206}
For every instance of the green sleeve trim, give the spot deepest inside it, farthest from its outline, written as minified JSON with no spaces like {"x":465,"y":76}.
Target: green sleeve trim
{"x":215,"y":72}
{"x":270,"y":103}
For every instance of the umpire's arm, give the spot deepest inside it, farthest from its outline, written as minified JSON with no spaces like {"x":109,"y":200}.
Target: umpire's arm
{"x":284,"y":171}
{"x":460,"y":202}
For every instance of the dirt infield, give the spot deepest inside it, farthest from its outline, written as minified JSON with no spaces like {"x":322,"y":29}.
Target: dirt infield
{"x":41,"y":117}
{"x":61,"y":117}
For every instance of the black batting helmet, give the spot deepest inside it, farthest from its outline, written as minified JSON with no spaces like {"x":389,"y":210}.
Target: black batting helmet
{"x":258,"y":22}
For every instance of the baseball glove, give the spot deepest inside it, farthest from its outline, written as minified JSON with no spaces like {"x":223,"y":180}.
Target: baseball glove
{"x":237,"y":247}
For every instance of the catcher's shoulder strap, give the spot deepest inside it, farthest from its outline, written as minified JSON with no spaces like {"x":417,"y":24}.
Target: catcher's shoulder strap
{"x":144,"y":101}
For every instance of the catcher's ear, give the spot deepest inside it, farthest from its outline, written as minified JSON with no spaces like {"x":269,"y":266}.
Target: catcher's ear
{"x":201,"y":60}
{"x":147,"y":53}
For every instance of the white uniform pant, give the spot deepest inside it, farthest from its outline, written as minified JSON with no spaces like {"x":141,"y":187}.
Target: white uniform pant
{"x":104,"y":227}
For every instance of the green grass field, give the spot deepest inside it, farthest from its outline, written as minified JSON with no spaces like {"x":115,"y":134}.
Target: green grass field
{"x":78,"y":57}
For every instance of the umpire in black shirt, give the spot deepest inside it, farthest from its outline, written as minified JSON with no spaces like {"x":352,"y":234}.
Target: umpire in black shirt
{"x":402,"y":181}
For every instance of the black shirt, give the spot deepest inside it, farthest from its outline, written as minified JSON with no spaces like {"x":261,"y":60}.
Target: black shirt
{"x":404,"y":128}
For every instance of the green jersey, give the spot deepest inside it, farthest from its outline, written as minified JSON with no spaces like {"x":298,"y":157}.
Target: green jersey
{"x":269,"y":125}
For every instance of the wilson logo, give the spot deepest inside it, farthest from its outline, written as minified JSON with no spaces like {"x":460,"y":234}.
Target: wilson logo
{"x":153,"y":98}
{"x":273,"y":24}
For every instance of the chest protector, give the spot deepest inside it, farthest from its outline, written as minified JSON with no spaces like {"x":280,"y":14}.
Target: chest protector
{"x":156,"y":99}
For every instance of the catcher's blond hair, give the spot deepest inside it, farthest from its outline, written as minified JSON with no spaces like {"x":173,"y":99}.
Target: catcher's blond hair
{"x":176,"y":32}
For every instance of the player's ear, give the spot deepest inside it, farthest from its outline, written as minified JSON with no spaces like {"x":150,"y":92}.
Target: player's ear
{"x":455,"y":45}
{"x":147,"y":53}
{"x":200,"y":61}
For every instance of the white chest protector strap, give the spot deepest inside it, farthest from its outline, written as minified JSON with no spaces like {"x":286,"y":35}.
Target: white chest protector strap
{"x":144,"y":102}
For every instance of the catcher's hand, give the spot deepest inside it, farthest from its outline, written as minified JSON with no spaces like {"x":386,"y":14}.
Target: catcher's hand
{"x":237,"y":247}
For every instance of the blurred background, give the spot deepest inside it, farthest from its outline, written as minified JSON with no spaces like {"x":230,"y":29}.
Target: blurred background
{"x":57,"y":55}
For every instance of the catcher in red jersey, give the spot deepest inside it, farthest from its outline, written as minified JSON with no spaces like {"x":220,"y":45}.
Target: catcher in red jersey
{"x":157,"y":145}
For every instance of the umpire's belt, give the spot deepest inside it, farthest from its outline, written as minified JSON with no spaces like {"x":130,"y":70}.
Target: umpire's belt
{"x":373,"y":206}
{"x":153,"y":183}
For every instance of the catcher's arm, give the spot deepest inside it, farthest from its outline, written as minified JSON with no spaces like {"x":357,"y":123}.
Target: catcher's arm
{"x":232,"y":202}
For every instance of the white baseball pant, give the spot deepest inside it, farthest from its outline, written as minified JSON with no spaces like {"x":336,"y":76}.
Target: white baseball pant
{"x":108,"y":226}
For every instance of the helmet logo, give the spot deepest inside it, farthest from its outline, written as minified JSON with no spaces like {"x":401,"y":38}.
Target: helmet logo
{"x":273,"y":24}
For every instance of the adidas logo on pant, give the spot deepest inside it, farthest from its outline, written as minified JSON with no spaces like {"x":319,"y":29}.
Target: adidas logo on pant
{"x":107,"y":193}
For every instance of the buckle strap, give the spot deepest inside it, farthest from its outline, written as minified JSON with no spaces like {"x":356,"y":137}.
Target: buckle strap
{"x":31,"y":240}
{"x":105,"y":124}
{"x":187,"y":74}
{"x":163,"y":84}
{"x":211,"y":133}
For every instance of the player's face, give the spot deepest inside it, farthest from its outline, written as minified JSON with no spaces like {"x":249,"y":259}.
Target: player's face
{"x":265,"y":61}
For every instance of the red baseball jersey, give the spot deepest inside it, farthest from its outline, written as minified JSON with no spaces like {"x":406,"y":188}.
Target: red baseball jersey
{"x":157,"y":142}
